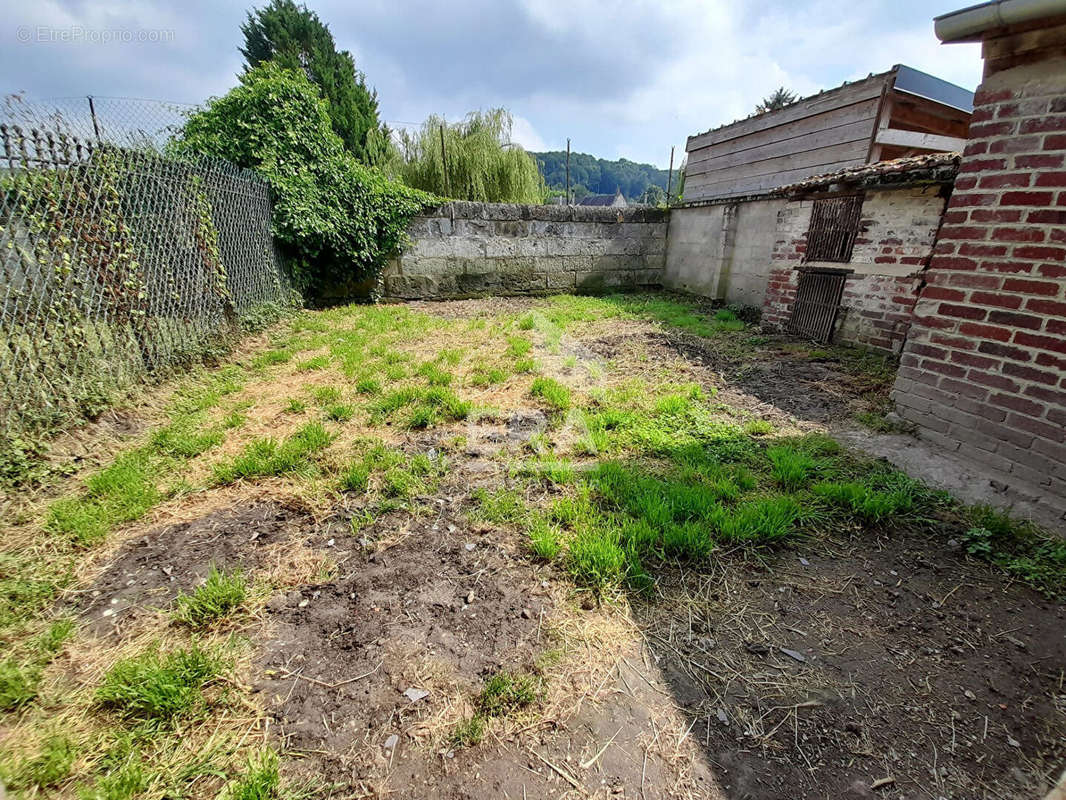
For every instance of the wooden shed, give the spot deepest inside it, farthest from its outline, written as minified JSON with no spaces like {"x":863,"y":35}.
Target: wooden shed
{"x":902,"y":112}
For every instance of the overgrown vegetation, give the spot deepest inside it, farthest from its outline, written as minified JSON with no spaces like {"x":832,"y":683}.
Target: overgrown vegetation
{"x":337,"y":220}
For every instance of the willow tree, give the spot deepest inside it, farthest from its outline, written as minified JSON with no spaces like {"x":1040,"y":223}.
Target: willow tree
{"x":476,"y":161}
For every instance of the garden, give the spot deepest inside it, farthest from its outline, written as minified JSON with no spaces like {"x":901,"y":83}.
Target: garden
{"x":554,"y":547}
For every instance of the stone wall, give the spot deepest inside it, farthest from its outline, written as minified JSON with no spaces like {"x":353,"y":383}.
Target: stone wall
{"x":897,"y":234}
{"x":722,"y":250}
{"x":984,"y":369}
{"x":465,"y":249}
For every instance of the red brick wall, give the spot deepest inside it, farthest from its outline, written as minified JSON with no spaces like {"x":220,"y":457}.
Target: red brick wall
{"x":984,"y":368}
{"x":898,"y":231}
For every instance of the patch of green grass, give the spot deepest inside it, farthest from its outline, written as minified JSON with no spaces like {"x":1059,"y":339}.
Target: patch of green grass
{"x":526,"y":322}
{"x":271,"y":357}
{"x":867,"y":504}
{"x":313,"y":364}
{"x":553,"y":393}
{"x":525,"y":365}
{"x":154,"y":688}
{"x":763,"y":520}
{"x":182,"y":439}
{"x":49,"y":767}
{"x":119,"y":493}
{"x":484,"y":375}
{"x":268,"y":457}
{"x":399,"y":475}
{"x":505,"y":693}
{"x":296,"y":406}
{"x":518,"y":346}
{"x":326,"y":395}
{"x":758,"y":427}
{"x":234,"y":419}
{"x":434,"y":375}
{"x":368,"y":386}
{"x":425,"y":407}
{"x":127,"y":782}
{"x":260,"y":781}
{"x":544,"y":539}
{"x":792,"y":467}
{"x":217,"y":597}
{"x":340,"y":412}
{"x":595,"y":558}
{"x":504,"y":506}
{"x":469,"y":732}
{"x":18,"y":683}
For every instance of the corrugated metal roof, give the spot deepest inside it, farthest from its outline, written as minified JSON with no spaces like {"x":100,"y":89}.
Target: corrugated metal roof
{"x":928,"y":168}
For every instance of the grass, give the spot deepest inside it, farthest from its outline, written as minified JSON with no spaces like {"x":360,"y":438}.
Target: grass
{"x":155,"y":688}
{"x":505,"y":693}
{"x":260,"y":781}
{"x":119,"y":493}
{"x":424,"y":407}
{"x":792,"y":468}
{"x":49,"y":767}
{"x":554,"y":394}
{"x":469,"y":732}
{"x":865,"y":503}
{"x":503,"y":506}
{"x":339,"y":412}
{"x":268,"y":456}
{"x":396,"y":474}
{"x":216,"y":598}
{"x":544,"y":539}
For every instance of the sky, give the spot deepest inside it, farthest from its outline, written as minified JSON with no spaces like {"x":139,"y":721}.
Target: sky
{"x":620,"y":78}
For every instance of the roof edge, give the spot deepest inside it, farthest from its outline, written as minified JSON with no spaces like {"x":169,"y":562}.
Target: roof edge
{"x":970,"y":23}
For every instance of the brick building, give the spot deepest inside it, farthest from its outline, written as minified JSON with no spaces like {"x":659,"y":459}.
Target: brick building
{"x":983,"y":371}
{"x":851,"y":247}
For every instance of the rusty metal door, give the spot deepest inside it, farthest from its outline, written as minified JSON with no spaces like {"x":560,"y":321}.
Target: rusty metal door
{"x":818,"y":295}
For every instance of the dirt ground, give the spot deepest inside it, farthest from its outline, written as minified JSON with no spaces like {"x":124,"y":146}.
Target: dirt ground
{"x":884,"y":664}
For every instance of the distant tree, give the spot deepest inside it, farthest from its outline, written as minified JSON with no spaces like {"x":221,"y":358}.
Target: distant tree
{"x":780,"y":98}
{"x":653,"y":196}
{"x":482,"y":162}
{"x":293,"y":36}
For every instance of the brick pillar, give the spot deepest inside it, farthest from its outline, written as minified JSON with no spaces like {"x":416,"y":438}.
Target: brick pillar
{"x":983,"y":371}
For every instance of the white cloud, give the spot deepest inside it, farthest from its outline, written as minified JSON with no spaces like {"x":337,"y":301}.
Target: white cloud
{"x":523,"y":133}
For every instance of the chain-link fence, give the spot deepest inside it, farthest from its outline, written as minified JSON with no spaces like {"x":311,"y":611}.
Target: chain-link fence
{"x":118,"y":262}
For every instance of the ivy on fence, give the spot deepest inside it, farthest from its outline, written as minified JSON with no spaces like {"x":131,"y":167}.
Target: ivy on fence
{"x":117,"y":265}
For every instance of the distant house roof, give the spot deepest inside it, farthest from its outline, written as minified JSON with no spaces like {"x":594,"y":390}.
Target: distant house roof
{"x":616,"y":199}
{"x":909,"y":171}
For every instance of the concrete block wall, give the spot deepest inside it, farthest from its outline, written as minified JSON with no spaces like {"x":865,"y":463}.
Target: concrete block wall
{"x":722,"y":250}
{"x":984,"y":369}
{"x":463,"y":249}
{"x":895,"y":243}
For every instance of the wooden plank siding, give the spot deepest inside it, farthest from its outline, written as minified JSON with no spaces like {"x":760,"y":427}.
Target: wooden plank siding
{"x":829,"y":131}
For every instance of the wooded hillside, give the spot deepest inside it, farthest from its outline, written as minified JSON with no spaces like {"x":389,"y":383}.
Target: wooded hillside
{"x":597,"y":175}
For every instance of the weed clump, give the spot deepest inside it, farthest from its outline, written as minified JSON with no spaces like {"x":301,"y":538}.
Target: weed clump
{"x":553,"y":393}
{"x":218,"y":597}
{"x":505,"y":693}
{"x":267,"y":457}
